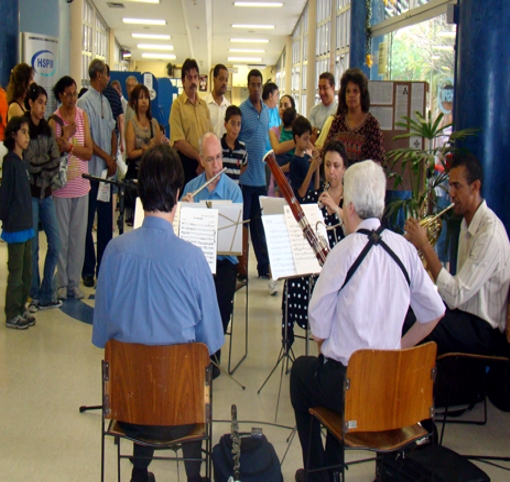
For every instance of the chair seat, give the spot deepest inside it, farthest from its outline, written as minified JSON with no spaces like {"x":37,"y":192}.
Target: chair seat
{"x":385,"y":441}
{"x":198,"y":433}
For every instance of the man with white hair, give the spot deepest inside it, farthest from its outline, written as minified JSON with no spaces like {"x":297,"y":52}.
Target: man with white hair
{"x":360,"y":301}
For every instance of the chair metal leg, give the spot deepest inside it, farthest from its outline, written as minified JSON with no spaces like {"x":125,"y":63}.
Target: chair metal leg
{"x":102,"y":450}
{"x":118,"y":459}
{"x":232,"y":370}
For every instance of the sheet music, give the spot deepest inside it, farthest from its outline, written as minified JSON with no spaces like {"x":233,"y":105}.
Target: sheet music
{"x":304,"y":256}
{"x":200,"y":227}
{"x":278,"y":246}
{"x":139,"y":214}
{"x":272,"y":205}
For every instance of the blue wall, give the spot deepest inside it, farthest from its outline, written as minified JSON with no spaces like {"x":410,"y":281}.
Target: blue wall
{"x":9,"y":35}
{"x":39,"y":16}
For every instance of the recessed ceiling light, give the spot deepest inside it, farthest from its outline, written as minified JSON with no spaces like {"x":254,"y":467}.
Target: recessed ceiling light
{"x":144,"y":21}
{"x":250,"y":40}
{"x":151,"y":36}
{"x":258,"y":4}
{"x":159,"y":56}
{"x":262,"y":27}
{"x":247,"y":51}
{"x":155,"y":47}
{"x":244,"y":59}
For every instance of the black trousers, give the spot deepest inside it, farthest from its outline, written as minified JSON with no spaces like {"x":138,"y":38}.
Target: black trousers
{"x":315,"y":383}
{"x":225,"y":282}
{"x":459,"y":331}
{"x":189,"y":167}
{"x":190,"y":450}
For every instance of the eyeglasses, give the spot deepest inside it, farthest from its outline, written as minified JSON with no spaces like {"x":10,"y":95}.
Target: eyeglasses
{"x":218,"y":158}
{"x":71,"y":95}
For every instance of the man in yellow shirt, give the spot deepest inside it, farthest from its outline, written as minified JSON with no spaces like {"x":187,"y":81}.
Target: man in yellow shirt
{"x":189,"y":121}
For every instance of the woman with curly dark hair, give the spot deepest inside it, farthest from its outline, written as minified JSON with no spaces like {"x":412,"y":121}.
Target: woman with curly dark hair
{"x":21,"y":77}
{"x":353,"y":124}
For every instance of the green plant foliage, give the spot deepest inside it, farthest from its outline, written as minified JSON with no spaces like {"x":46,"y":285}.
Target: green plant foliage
{"x":421,"y":162}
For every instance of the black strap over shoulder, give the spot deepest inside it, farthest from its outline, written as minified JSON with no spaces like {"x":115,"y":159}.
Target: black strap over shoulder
{"x":374,"y":238}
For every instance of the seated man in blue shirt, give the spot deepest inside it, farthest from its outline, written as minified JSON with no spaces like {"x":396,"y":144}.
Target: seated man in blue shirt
{"x":223,"y":188}
{"x":169,"y":297}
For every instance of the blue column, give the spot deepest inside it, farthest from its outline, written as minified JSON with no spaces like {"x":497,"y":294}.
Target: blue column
{"x":358,"y":38}
{"x":9,"y":38}
{"x":482,"y":94}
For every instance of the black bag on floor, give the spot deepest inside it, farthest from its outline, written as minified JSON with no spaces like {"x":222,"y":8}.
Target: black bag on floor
{"x":428,"y":463}
{"x":258,"y":461}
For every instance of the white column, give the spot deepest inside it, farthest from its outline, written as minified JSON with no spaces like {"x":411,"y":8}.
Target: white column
{"x":311,"y":81}
{"x":76,"y":41}
{"x":288,"y":65}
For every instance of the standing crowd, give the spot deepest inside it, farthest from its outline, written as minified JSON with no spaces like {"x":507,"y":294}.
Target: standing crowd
{"x":373,"y":291}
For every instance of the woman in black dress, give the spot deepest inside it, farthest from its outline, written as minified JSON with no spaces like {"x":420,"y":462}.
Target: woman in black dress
{"x":335,"y":163}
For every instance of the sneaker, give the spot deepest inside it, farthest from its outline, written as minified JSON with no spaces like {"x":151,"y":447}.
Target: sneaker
{"x":55,"y":303}
{"x":272,"y":288}
{"x":17,"y":322}
{"x":76,"y":293}
{"x":29,"y":317}
{"x":62,"y":293}
{"x":33,"y":306}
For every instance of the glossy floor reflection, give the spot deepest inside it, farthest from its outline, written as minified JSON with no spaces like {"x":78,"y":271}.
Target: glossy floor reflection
{"x":48,"y":371}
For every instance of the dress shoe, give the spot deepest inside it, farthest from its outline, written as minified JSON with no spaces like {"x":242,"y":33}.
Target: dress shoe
{"x":300,"y":475}
{"x":88,"y":281}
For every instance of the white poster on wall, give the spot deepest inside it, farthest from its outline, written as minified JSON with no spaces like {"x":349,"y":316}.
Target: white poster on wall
{"x":41,"y":52}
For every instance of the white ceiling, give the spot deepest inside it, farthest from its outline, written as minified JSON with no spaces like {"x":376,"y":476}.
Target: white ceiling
{"x":202,"y":29}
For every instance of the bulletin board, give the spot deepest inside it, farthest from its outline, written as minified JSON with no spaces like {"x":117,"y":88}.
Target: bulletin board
{"x":389,"y":102}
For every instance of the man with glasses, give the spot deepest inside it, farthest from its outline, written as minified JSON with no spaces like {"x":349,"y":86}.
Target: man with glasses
{"x":189,"y":121}
{"x":223,"y":188}
{"x":328,"y":104}
{"x":104,"y":141}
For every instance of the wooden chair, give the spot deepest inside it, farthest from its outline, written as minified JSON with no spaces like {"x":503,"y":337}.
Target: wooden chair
{"x":242,"y":283}
{"x":466,"y":372}
{"x":386,"y":394}
{"x":160,"y":386}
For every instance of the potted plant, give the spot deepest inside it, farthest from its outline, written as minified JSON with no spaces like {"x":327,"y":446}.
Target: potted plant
{"x":418,"y":164}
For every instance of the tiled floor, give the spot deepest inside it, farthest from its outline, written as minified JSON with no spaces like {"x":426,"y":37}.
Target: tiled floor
{"x":48,"y":371}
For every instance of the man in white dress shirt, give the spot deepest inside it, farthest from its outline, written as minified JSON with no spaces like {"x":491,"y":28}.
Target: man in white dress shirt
{"x":355,"y":308}
{"x":216,"y":101}
{"x":476,"y":297}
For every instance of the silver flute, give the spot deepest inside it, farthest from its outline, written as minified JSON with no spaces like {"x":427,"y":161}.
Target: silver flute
{"x":205,"y":184}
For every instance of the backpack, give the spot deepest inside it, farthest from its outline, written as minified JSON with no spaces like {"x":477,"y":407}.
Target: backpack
{"x":258,"y":461}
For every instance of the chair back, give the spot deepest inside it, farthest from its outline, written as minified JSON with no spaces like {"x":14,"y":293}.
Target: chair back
{"x":389,"y":389}
{"x":156,"y":385}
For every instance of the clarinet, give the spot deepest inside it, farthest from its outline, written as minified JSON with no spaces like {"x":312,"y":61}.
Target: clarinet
{"x":236,"y":445}
{"x":318,"y":244}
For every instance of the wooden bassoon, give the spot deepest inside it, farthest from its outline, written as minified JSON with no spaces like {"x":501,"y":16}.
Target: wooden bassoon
{"x":317,"y":243}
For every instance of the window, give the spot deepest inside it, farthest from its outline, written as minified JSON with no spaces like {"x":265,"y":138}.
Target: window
{"x":94,"y":39}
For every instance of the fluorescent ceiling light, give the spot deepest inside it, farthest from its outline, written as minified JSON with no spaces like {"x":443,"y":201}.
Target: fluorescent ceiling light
{"x":250,"y":40}
{"x":142,"y":1}
{"x":153,"y":36}
{"x":155,"y":47}
{"x":258,"y":4}
{"x":247,"y":51}
{"x":244,"y":59}
{"x":262,"y":27}
{"x":159,"y":56}
{"x":144,"y":21}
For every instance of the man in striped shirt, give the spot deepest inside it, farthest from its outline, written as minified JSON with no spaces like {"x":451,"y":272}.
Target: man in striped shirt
{"x":254,"y":134}
{"x":476,"y":297}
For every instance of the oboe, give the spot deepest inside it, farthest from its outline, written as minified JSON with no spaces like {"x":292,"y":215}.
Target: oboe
{"x":326,"y":187}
